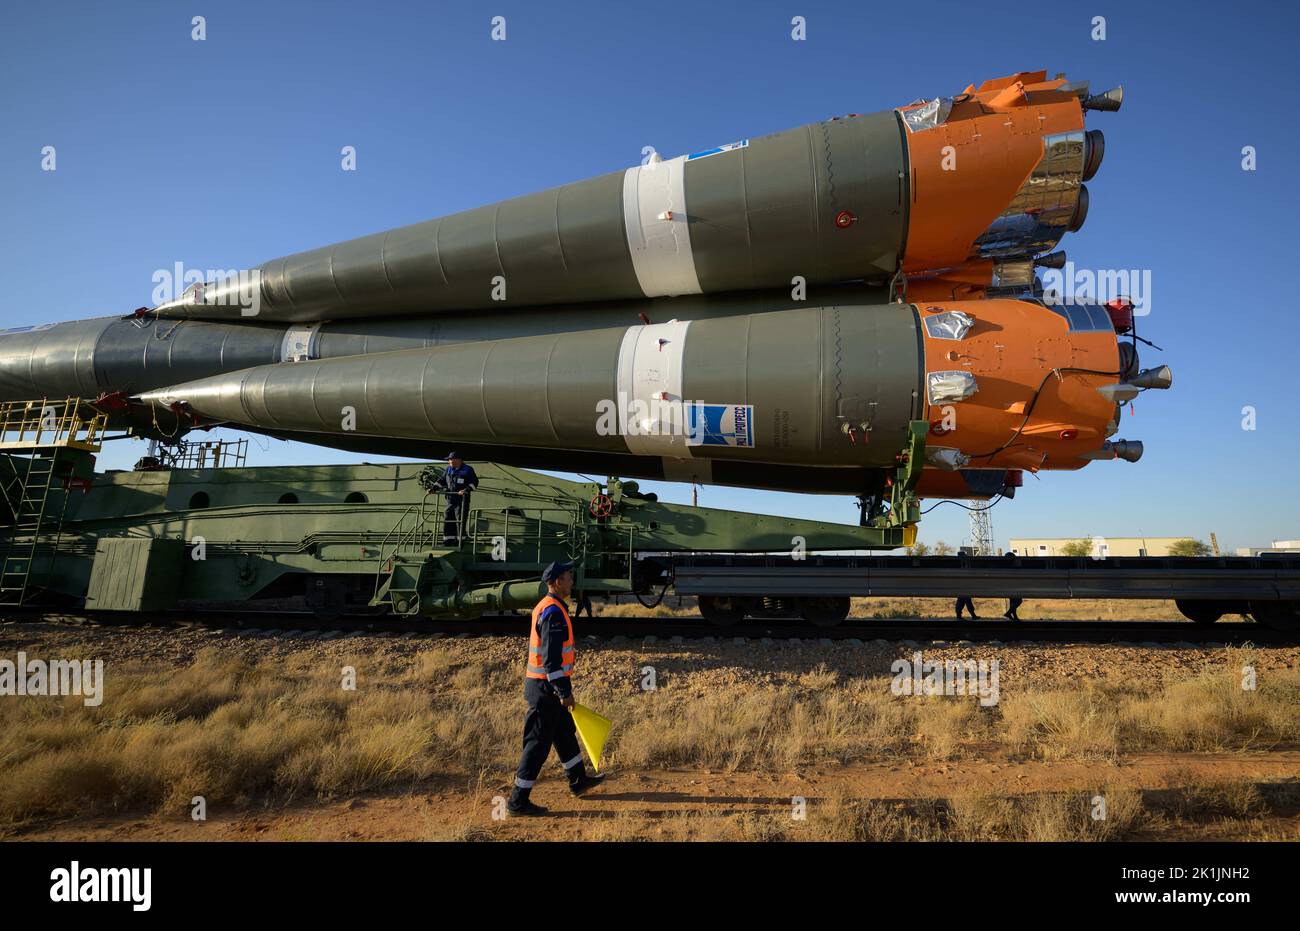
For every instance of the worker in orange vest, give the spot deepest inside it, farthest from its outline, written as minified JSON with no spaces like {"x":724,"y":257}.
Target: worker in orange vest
{"x":549,"y":693}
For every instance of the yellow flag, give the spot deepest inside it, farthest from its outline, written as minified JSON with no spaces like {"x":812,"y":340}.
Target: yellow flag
{"x":592,"y":729}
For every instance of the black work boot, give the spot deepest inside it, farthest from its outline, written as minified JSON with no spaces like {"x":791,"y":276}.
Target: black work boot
{"x":519,"y":804}
{"x":580,"y":782}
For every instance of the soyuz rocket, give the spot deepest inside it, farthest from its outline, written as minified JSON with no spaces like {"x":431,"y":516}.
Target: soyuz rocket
{"x":770,"y":313}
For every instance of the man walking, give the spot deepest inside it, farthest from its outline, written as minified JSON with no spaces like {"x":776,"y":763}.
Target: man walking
{"x":965,"y":602}
{"x":549,"y":692}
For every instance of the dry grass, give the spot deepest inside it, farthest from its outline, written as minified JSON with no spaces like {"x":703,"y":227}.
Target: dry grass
{"x":767,"y":728}
{"x":1037,"y":817}
{"x":824,"y":719}
{"x":234,"y":733}
{"x":1207,"y":712}
{"x":239,"y":734}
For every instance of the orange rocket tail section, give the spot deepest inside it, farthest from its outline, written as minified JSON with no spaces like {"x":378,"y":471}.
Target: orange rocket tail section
{"x":997,"y":178}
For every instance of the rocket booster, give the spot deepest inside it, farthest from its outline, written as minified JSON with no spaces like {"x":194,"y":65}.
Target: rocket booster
{"x":132,"y":355}
{"x":963,"y":191}
{"x":105,"y":355}
{"x":1005,"y":384}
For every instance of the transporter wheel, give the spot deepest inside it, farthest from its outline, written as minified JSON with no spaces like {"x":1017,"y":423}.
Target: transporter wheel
{"x":1199,"y":612}
{"x":1278,"y":615}
{"x":824,"y":612}
{"x":722,"y":611}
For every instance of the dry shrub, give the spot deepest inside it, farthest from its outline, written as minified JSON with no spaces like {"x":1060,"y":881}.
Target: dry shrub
{"x":1212,"y":711}
{"x":1037,"y":817}
{"x":1060,"y":724}
{"x":840,"y":818}
{"x":764,"y":729}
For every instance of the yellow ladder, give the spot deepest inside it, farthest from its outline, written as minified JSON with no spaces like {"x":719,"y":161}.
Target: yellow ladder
{"x":40,"y":430}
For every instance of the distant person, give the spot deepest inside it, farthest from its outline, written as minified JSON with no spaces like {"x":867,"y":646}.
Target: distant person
{"x":458,"y":482}
{"x":965,"y":602}
{"x":549,"y":693}
{"x":1012,"y":605}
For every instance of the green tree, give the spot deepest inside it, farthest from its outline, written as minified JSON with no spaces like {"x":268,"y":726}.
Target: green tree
{"x":918,"y":549}
{"x":1077,"y":548}
{"x":1189,"y":547}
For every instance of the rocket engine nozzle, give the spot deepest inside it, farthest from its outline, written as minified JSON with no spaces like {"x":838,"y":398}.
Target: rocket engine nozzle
{"x":1107,"y":102}
{"x":1094,"y":150}
{"x":1128,"y":450}
{"x":1080,"y":210}
{"x":1162,"y":377}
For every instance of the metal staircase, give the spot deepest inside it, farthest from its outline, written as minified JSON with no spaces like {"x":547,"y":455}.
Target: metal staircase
{"x":552,"y":528}
{"x":38,"y":441}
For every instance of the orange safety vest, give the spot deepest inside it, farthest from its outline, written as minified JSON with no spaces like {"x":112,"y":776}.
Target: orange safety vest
{"x":536,"y":661}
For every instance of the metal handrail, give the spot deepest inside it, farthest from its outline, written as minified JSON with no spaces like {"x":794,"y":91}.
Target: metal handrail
{"x":403,"y":537}
{"x":484,"y":524}
{"x":207,"y":454}
{"x":50,"y":423}
{"x":477,"y":535}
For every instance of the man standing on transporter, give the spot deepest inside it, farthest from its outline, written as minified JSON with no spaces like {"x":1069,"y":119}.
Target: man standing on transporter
{"x":458,"y":481}
{"x":549,"y":693}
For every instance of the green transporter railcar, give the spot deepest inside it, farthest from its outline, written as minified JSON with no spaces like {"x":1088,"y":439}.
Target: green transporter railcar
{"x":369,"y":537}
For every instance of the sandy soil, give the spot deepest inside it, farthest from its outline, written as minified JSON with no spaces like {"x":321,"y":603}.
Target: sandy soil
{"x":642,"y":805}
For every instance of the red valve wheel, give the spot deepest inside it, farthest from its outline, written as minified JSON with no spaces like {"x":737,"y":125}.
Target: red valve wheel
{"x":601,"y":506}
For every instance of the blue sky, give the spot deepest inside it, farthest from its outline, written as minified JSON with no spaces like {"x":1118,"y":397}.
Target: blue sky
{"x":224,"y":153}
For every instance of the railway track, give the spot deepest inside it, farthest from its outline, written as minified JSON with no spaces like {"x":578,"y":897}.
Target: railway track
{"x":305,"y":625}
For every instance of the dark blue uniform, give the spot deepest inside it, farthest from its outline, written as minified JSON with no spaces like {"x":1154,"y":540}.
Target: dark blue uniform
{"x":456,"y":479}
{"x":548,"y":723}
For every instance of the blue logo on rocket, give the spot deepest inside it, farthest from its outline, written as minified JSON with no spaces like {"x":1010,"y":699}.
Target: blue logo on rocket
{"x":720,"y":424}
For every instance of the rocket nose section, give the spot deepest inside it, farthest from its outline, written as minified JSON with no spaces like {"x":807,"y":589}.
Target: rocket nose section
{"x":217,"y":398}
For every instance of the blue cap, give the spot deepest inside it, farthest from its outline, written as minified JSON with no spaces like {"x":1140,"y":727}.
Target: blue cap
{"x":453,"y":455}
{"x":555,"y":570}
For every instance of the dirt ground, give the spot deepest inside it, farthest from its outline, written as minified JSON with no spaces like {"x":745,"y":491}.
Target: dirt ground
{"x":743,"y":740}
{"x":701,"y":804}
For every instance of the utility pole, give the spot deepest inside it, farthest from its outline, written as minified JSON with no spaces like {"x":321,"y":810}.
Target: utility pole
{"x":981,"y":532}
{"x":1214,"y":543}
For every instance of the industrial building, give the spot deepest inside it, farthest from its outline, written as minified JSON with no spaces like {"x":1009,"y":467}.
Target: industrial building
{"x":1101,"y":546}
{"x":1279,"y":546}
